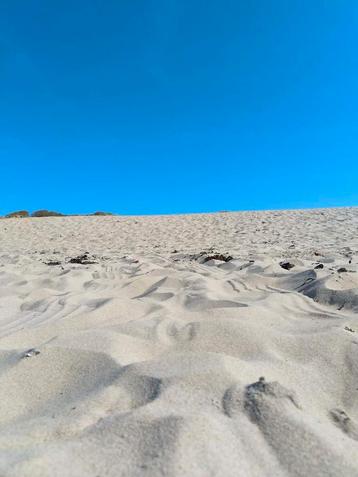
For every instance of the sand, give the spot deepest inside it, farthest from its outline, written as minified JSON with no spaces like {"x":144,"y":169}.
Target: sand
{"x":159,"y":361}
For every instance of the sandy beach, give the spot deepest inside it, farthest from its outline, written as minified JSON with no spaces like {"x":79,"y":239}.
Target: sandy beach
{"x":221,"y":344}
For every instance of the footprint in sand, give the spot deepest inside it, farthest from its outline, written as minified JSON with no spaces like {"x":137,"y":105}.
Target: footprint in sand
{"x":345,"y":423}
{"x":288,"y":431}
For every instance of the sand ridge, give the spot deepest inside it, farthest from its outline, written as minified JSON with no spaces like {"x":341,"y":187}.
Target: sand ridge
{"x":157,"y":360}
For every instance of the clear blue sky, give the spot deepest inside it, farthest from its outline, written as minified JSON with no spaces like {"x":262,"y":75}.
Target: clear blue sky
{"x":166,"y":106}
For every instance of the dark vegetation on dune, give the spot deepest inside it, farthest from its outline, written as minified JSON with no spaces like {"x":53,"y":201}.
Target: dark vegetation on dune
{"x":18,"y":214}
{"x":46,"y":213}
{"x":21,"y":214}
{"x":102,"y":213}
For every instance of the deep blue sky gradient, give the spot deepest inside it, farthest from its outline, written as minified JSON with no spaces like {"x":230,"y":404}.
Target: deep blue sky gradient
{"x":166,"y":106}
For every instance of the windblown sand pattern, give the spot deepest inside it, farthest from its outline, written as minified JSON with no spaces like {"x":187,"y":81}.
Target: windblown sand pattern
{"x":126,"y":350}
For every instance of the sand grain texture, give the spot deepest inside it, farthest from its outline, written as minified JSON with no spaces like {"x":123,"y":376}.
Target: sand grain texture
{"x":127,"y":350}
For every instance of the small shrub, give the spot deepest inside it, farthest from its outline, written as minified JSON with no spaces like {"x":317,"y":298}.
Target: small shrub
{"x":102,"y":213}
{"x":46,"y":213}
{"x":19,"y":214}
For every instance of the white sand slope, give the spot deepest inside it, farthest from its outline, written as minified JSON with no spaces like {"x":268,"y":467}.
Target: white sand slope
{"x":153,"y":362}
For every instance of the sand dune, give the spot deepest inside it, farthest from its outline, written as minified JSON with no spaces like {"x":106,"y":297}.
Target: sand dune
{"x":158,"y":359}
